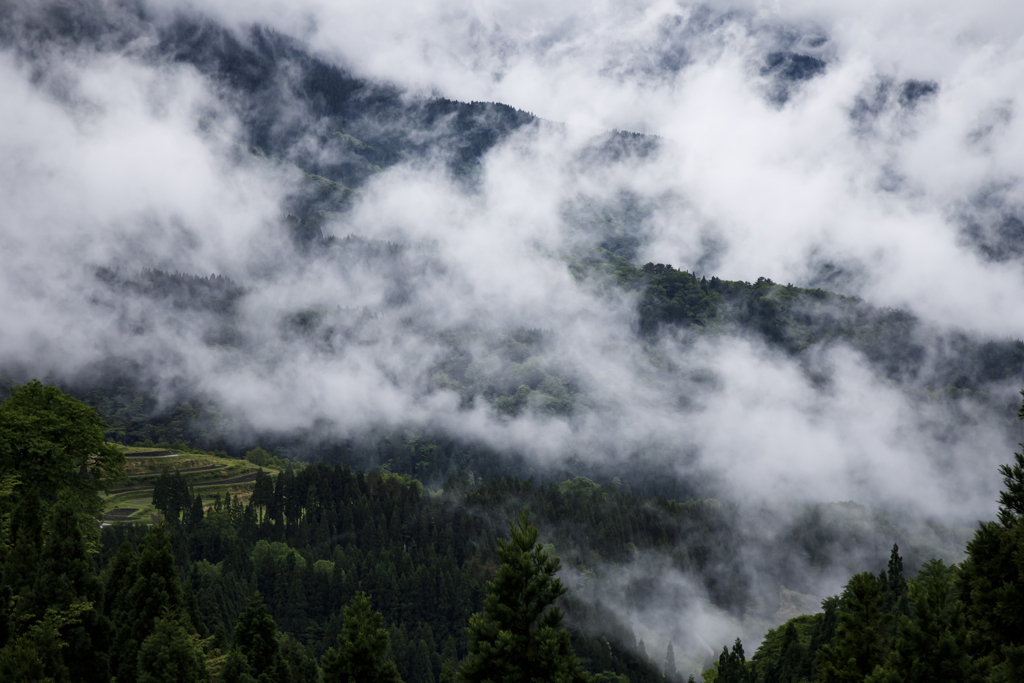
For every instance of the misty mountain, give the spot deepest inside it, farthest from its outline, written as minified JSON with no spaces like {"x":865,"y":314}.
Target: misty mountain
{"x":483,"y":248}
{"x":329,"y":289}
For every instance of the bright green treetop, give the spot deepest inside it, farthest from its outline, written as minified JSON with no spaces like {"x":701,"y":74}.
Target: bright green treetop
{"x":518,"y":637}
{"x":52,"y":441}
{"x":173,"y":653}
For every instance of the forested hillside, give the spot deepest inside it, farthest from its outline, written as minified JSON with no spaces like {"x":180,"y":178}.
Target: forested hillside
{"x":257,"y":585}
{"x":136,"y":601}
{"x":956,"y":622}
{"x":511,"y":370}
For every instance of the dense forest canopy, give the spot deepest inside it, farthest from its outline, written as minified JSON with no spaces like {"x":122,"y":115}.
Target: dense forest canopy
{"x":281,"y":581}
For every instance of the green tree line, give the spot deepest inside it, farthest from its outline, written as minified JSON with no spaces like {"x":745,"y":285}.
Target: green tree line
{"x":279,"y":587}
{"x":954,"y":623}
{"x":233,"y":588}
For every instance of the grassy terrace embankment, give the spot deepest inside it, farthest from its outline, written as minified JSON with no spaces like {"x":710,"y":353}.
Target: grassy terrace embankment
{"x":209,"y":475}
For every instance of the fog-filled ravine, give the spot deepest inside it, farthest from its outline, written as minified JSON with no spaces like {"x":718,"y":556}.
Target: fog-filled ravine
{"x":729,"y":295}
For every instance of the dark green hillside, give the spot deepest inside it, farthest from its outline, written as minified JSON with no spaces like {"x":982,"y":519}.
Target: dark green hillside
{"x":796,"y":319}
{"x":310,"y":540}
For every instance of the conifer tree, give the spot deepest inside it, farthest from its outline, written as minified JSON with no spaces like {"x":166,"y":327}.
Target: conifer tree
{"x":154,"y":592}
{"x":301,"y":663}
{"x":172,"y":653}
{"x":26,"y":541}
{"x":35,"y":655}
{"x":732,"y":666}
{"x":118,"y":578}
{"x":422,"y":664}
{"x":236,"y":668}
{"x":519,"y":637}
{"x":256,"y":638}
{"x":895,"y":584}
{"x":66,"y":578}
{"x":860,"y":642}
{"x":789,"y":666}
{"x":670,"y":664}
{"x":932,"y":642}
{"x":991,"y":581}
{"x":362,"y":648}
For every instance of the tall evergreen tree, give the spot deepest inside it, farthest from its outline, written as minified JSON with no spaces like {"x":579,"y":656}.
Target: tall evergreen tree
{"x":26,"y":541}
{"x":301,"y":664}
{"x":861,"y":639}
{"x":256,"y":638}
{"x":118,"y":578}
{"x":932,"y":642}
{"x":992,"y":581}
{"x":789,"y":667}
{"x":671,"y":674}
{"x":362,"y":648}
{"x":67,"y":577}
{"x":236,"y":668}
{"x":518,"y":637}
{"x":172,"y":653}
{"x":154,"y":592}
{"x":895,"y":584}
{"x":732,"y":666}
{"x":35,"y":655}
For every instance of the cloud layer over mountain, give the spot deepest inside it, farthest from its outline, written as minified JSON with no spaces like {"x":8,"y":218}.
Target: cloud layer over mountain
{"x":870,"y":149}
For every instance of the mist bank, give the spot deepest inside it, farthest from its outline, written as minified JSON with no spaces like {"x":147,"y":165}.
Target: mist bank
{"x":388,"y":264}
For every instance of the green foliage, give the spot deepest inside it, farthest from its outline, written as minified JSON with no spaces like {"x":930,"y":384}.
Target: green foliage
{"x":256,"y":638}
{"x":895,"y":584}
{"x":954,"y":624}
{"x":67,"y":581}
{"x":1011,"y":499}
{"x":733,"y":667}
{"x":236,"y":668}
{"x":361,"y":653}
{"x":991,"y":581}
{"x":861,"y":639}
{"x":580,"y":486}
{"x":302,"y":664}
{"x":319,"y":536}
{"x":518,"y":637}
{"x":260,"y":457}
{"x":145,"y":590}
{"x":172,"y":653}
{"x":53,"y":442}
{"x":35,"y":656}
{"x":931,"y":644}
{"x":172,"y":495}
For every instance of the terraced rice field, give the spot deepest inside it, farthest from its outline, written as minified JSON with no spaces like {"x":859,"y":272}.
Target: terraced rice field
{"x":209,"y":475}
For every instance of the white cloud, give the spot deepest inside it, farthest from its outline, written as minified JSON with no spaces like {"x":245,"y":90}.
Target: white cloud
{"x":113,"y":158}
